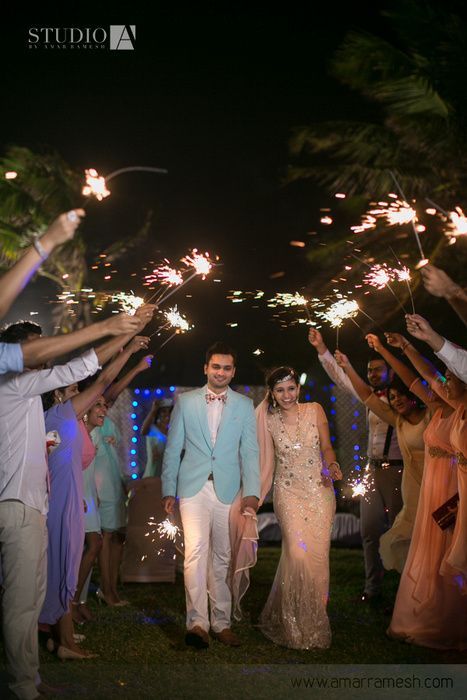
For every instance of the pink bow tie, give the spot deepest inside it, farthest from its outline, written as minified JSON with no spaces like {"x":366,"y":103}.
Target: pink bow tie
{"x":215,"y":397}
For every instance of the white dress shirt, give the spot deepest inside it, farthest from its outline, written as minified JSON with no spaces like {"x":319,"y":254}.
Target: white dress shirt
{"x":11,"y":358}
{"x":454,"y":358}
{"x":377,"y":428}
{"x":23,"y":458}
{"x":214,"y":411}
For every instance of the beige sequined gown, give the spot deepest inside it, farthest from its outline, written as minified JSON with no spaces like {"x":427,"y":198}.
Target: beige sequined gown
{"x":295,"y":612}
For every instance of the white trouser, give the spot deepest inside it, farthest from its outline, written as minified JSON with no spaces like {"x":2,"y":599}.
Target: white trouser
{"x":23,"y":543}
{"x":205,"y":522}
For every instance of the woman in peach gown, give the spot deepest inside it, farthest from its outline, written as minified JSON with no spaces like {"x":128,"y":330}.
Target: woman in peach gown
{"x":429,"y":611}
{"x":304,"y":503}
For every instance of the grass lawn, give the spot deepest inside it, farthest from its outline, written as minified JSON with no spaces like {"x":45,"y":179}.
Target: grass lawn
{"x":140,"y":645}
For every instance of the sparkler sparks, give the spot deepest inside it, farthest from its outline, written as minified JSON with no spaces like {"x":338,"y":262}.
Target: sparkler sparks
{"x":339,"y":311}
{"x":167,"y":529}
{"x":201,"y":263}
{"x":361,"y":485}
{"x":95,"y":185}
{"x":458,"y":223}
{"x":286,"y":299}
{"x":397,"y":213}
{"x":176,"y":320}
{"x":128,"y":302}
{"x":164,"y":274}
{"x":380,"y":276}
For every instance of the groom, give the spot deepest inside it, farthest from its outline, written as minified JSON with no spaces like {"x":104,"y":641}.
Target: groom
{"x":211,"y":452}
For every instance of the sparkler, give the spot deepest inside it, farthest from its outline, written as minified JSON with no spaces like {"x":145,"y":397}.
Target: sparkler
{"x":176,"y":320}
{"x":167,"y":529}
{"x":412,"y":221}
{"x":288,"y":300}
{"x":339,"y":311}
{"x":362,"y":485}
{"x":164,"y":274}
{"x":96,"y":185}
{"x":202,"y":266}
{"x":128,"y":302}
{"x":458,"y":224}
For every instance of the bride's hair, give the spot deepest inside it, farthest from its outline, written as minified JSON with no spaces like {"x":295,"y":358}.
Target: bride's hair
{"x":280,"y":374}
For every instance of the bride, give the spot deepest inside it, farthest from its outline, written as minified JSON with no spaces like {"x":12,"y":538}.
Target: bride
{"x":297,"y":436}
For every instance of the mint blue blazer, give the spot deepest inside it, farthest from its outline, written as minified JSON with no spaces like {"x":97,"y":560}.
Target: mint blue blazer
{"x":189,"y":457}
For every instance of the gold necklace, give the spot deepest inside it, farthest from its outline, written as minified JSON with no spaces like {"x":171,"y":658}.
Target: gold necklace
{"x":297,"y":444}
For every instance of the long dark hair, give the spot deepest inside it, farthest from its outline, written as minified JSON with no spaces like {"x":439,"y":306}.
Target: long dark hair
{"x":398,"y":385}
{"x":277,"y":375}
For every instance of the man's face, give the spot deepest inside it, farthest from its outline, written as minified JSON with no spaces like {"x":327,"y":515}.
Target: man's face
{"x":220,"y":371}
{"x":378,"y":374}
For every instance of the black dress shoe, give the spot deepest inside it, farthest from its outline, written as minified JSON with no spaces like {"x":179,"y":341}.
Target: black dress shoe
{"x":197,"y":638}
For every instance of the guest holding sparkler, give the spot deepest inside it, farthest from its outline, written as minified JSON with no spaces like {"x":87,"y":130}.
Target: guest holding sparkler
{"x":64,"y":410}
{"x":410,"y":419}
{"x":429,"y":610}
{"x":379,"y":508}
{"x":305,"y":466}
{"x":455,"y":562}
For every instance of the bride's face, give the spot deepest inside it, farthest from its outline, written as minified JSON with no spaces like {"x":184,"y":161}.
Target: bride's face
{"x":286,"y":394}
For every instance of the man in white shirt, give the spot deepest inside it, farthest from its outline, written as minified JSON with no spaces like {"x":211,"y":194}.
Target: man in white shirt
{"x":379,"y":508}
{"x":215,"y":428}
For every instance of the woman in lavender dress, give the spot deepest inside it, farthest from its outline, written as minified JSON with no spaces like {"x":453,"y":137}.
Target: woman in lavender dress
{"x":66,"y":508}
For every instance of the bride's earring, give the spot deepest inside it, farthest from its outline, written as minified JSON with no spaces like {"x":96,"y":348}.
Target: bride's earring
{"x":85,"y":418}
{"x":274,"y":402}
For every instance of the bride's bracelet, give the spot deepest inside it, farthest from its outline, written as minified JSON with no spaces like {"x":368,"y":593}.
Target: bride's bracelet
{"x":336,"y":463}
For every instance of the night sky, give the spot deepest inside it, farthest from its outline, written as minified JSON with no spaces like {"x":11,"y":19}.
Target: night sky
{"x":212,"y":96}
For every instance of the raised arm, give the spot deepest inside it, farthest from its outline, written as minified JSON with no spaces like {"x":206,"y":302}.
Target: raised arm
{"x":335,"y":373}
{"x":381,"y":408}
{"x":37,"y":352}
{"x":438,"y":283}
{"x":410,"y":379}
{"x":15,"y":280}
{"x":141,"y":318}
{"x":116,"y":388}
{"x":149,"y":420}
{"x":85,"y":399}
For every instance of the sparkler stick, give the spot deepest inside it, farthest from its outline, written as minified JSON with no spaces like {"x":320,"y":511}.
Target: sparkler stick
{"x":172,"y":291}
{"x":161,"y":328}
{"x":414,"y":229}
{"x":168,"y":339}
{"x":407,"y":281}
{"x":384,"y":282}
{"x":97,"y":184}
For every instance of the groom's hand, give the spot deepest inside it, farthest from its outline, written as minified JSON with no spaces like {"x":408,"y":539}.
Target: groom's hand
{"x":168,"y":503}
{"x":249,"y":502}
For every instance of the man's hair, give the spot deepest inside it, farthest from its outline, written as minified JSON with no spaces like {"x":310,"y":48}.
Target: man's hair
{"x":18,"y":332}
{"x":376,"y":356}
{"x":221,"y":348}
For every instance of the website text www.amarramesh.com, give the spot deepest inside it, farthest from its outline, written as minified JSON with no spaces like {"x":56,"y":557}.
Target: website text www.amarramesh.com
{"x":391,"y":682}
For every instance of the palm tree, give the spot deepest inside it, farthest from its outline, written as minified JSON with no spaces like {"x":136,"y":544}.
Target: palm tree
{"x":410,"y":78}
{"x":44,"y":187}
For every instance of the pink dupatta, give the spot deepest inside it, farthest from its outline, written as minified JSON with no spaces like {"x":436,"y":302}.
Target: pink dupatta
{"x":243,"y":526}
